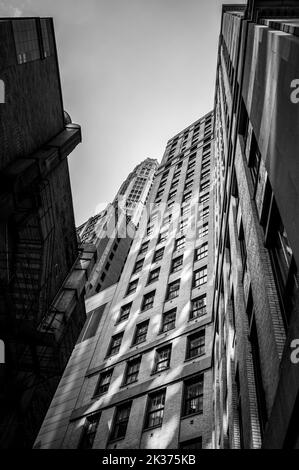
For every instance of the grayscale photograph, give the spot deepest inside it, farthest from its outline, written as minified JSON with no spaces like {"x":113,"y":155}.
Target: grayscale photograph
{"x":149,"y":230}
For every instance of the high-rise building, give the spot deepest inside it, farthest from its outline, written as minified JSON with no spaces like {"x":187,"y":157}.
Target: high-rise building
{"x":140,"y":376}
{"x":113,"y":229}
{"x":256,"y":310}
{"x":197,"y":346}
{"x":42,"y":270}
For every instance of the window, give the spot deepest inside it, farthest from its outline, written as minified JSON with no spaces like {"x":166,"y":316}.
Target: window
{"x":204,"y":198}
{"x":170,"y":205}
{"x":193,"y":396}
{"x":188,"y":185}
{"x":168,"y":321}
{"x":163,"y":236}
{"x":153,"y":276}
{"x":203,"y":230}
{"x":192,"y":444}
{"x":148,"y":301}
{"x":176,"y":264}
{"x":149,"y":230}
{"x":141,"y":332}
{"x":121,"y":420}
{"x":179,"y":244}
{"x":162,"y":359}
{"x":143,"y":248}
{"x":173,"y":290}
{"x":282,"y":260}
{"x":187,"y":197}
{"x":205,"y":185}
{"x":158,"y":255}
{"x":26,"y":40}
{"x":205,"y":212}
{"x":196,"y":344}
{"x":138,"y":266}
{"x":186,"y":209}
{"x":159,"y":194}
{"x":205,"y":174}
{"x":155,"y":409}
{"x":171,"y":195}
{"x":89,"y":431}
{"x":132,"y":287}
{"x":103,"y":382}
{"x":201,"y":252}
{"x":115,"y":344}
{"x":200,"y":277}
{"x":132,"y":371}
{"x":198,"y":307}
{"x":190,"y":174}
{"x":124,"y":312}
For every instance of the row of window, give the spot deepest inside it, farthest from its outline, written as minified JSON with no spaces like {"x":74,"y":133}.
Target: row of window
{"x":179,"y":242}
{"x":195,"y":348}
{"x":198,"y":309}
{"x":188,"y":181}
{"x":199,"y":278}
{"x":198,"y":305}
{"x":192,"y":404}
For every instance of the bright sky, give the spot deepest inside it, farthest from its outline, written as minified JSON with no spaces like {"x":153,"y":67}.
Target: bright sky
{"x":134,"y":73}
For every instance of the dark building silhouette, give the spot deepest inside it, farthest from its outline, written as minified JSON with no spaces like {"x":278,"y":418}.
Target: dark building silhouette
{"x":42,"y":269}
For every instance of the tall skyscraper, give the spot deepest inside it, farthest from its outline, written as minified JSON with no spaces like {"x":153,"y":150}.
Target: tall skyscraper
{"x":113,"y":230}
{"x":42,"y":270}
{"x":197,"y":345}
{"x":256,"y":380}
{"x":141,"y":375}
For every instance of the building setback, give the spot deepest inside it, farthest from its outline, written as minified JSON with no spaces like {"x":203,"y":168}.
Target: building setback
{"x":142,"y":377}
{"x":113,"y":229}
{"x":255,"y":305}
{"x":42,"y":269}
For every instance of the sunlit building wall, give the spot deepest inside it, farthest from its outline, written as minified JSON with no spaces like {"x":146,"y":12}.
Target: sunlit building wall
{"x":140,"y":375}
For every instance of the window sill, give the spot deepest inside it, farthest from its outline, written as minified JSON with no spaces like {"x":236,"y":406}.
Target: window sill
{"x":194,"y":357}
{"x":191,"y":415}
{"x":165,"y":333}
{"x":153,"y":427}
{"x":128,"y":385}
{"x":137,"y":345}
{"x":196,"y":319}
{"x":159,"y":372}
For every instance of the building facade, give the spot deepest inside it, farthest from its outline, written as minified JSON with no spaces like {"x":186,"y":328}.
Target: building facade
{"x":140,"y":375}
{"x":255,"y":305}
{"x":42,"y":269}
{"x":206,"y":358}
{"x":113,"y":230}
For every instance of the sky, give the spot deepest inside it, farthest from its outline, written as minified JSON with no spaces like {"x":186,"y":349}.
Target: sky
{"x":134,"y":73}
